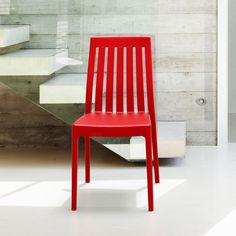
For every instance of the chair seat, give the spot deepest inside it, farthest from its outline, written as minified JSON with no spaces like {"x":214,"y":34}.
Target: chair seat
{"x":126,"y":124}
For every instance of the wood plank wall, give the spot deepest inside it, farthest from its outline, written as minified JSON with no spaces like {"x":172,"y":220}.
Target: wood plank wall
{"x":184,"y":54}
{"x":25,"y":124}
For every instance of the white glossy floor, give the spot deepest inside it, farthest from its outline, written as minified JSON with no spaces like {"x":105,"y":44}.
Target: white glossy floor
{"x":197,"y":195}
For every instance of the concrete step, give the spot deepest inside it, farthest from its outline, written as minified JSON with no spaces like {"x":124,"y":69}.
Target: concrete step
{"x":13,"y":34}
{"x":34,"y":62}
{"x":64,"y":88}
{"x":171,"y":143}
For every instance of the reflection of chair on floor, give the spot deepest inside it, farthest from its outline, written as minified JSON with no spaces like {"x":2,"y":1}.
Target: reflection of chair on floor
{"x":116,"y":122}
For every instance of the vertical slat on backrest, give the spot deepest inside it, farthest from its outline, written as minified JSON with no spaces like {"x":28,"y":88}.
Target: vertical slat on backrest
{"x":90,"y":78}
{"x":110,"y":75}
{"x":139,"y":76}
{"x":129,"y":80}
{"x":149,"y":81}
{"x":100,"y":76}
{"x":120,"y":80}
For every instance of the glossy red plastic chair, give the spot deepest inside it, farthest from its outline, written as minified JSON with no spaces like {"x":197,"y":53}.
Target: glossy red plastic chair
{"x":120,"y":120}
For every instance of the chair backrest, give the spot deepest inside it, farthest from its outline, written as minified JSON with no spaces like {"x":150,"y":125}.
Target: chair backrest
{"x":122,"y":64}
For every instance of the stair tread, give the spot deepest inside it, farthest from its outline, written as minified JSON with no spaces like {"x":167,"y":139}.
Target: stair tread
{"x":66,"y":79}
{"x":13,"y":34}
{"x":35,"y":62}
{"x":64,"y":88}
{"x":168,"y":130}
{"x":171,"y":142}
{"x":33,"y":53}
{"x":5,"y":27}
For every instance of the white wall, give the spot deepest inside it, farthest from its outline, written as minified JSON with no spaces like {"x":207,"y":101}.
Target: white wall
{"x":232,"y":56}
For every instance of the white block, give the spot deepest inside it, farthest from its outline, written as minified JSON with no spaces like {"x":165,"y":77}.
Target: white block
{"x":33,"y":62}
{"x":171,"y":142}
{"x":13,"y":34}
{"x":64,"y":88}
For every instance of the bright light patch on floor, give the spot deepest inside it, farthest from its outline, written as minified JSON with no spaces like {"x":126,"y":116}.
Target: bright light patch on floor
{"x":34,"y":194}
{"x":159,"y":190}
{"x":225,"y":226}
{"x":7,"y":187}
{"x":101,"y":193}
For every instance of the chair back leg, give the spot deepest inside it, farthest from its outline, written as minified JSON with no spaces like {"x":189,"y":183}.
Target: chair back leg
{"x":148,"y":139}
{"x":75,"y":140}
{"x":155,"y":156}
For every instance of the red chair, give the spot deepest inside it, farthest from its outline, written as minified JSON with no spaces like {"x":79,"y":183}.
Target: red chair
{"x":109,"y":121}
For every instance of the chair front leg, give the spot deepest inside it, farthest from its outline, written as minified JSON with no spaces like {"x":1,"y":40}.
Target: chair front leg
{"x":74,"y":153}
{"x":87,"y":159}
{"x":148,"y":140}
{"x":155,"y":154}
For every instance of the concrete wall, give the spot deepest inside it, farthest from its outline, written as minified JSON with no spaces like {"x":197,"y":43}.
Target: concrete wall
{"x":184,"y":33}
{"x":232,"y":56}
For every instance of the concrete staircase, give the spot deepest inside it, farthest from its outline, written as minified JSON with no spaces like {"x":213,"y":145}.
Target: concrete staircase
{"x":32,"y":74}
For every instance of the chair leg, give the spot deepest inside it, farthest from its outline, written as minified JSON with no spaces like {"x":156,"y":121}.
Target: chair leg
{"x":87,"y":159}
{"x":155,"y":154}
{"x":75,"y":145}
{"x":149,"y":172}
